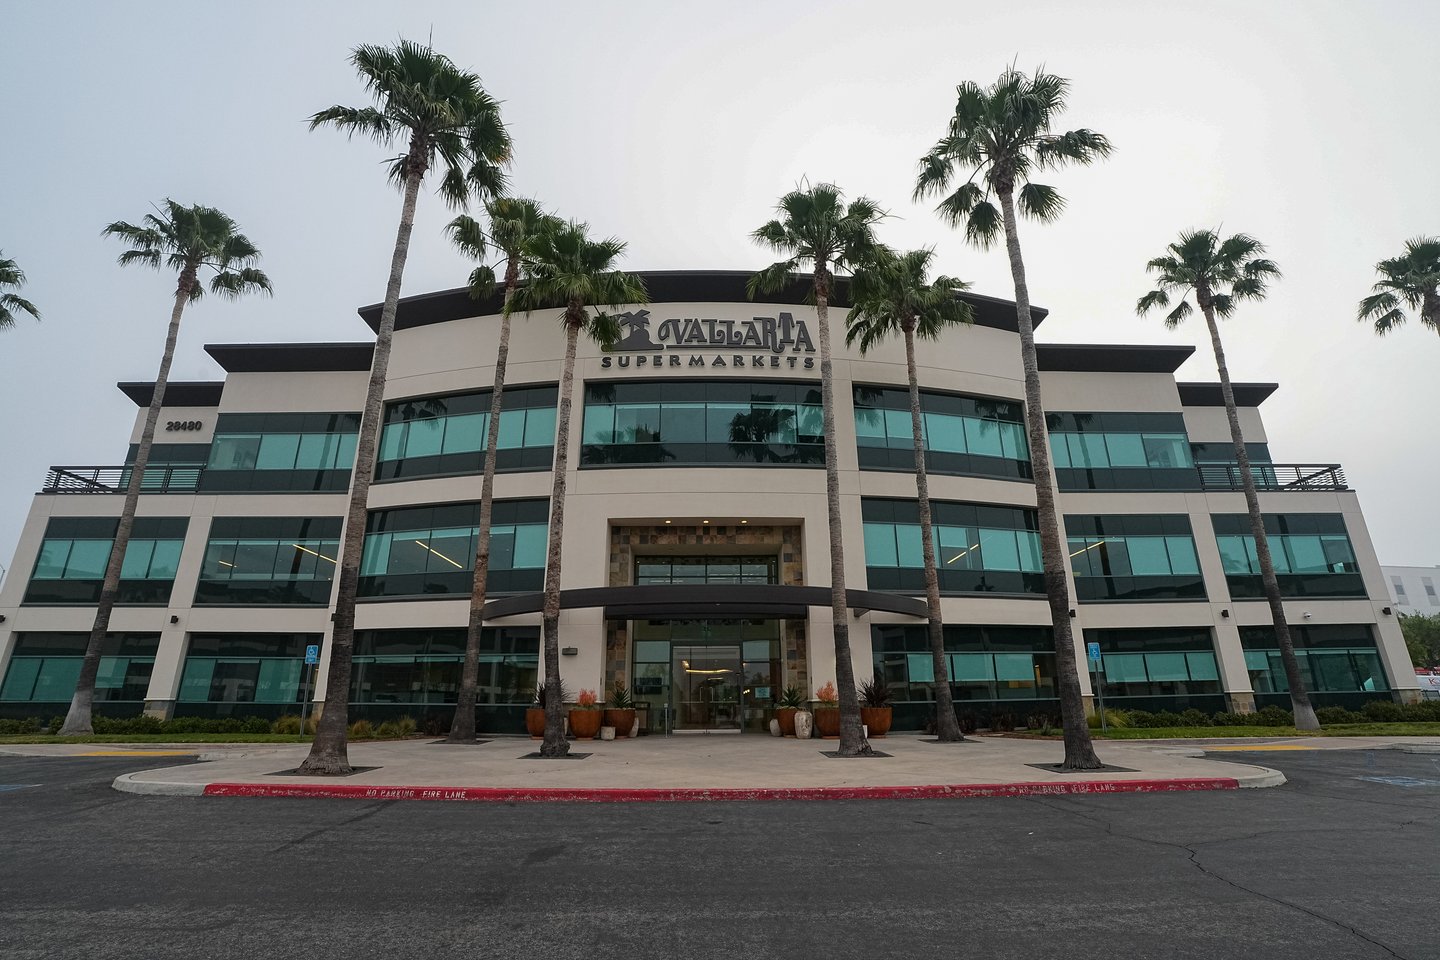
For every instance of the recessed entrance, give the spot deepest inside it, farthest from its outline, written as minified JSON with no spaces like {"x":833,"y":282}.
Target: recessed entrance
{"x":706,"y":676}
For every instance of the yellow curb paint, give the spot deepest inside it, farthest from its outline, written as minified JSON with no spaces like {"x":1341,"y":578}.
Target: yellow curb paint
{"x":1264,"y":746}
{"x":137,"y":753}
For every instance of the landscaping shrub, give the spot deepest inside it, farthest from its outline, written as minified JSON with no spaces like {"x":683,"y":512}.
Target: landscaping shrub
{"x":1329,"y":715}
{"x":1426,"y":711}
{"x":55,"y":724}
{"x":387,"y":730}
{"x":1002,"y":721}
{"x":361,"y":730}
{"x":1138,"y":718}
{"x":1114,"y":717}
{"x":16,"y":727}
{"x":1041,"y":723}
{"x":1383,"y":711}
{"x":1227,"y":719}
{"x":140,"y":724}
{"x":289,"y":723}
{"x":1272,"y":716}
{"x":1194,"y":718}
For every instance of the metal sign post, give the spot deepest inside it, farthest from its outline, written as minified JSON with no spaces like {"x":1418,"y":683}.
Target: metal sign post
{"x":312,"y":661}
{"x":1093,"y":651}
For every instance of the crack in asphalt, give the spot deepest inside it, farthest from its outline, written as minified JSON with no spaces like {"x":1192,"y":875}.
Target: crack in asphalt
{"x":1070,"y":808}
{"x":305,"y":838}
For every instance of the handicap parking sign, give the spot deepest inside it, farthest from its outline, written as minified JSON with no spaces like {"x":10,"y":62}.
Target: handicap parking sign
{"x":1093,"y":649}
{"x":312,"y":653}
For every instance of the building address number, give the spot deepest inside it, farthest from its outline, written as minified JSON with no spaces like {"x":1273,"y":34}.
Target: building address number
{"x":171,"y":425}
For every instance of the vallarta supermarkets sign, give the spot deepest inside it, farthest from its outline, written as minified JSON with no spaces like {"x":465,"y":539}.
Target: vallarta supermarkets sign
{"x":780,"y":342}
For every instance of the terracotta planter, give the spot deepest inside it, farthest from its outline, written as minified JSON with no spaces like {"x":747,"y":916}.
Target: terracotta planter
{"x":786,"y":716}
{"x":585,"y":724}
{"x":827,"y":723}
{"x":876,"y":719}
{"x":621,"y":720}
{"x":535,"y":722}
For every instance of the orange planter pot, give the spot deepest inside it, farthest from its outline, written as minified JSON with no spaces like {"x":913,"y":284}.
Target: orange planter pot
{"x":876,"y":719}
{"x":535,"y":722}
{"x":621,"y":720}
{"x":786,"y":716}
{"x":585,"y":724}
{"x":827,"y":723}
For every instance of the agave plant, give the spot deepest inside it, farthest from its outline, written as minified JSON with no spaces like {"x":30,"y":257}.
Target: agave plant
{"x":620,"y":698}
{"x":874,"y":693}
{"x":792,"y":698}
{"x":540,"y":693}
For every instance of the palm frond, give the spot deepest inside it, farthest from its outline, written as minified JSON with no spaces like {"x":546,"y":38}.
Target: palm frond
{"x":1041,"y":202}
{"x":1177,"y":316}
{"x":772,"y":279}
{"x":1153,"y":300}
{"x":985,"y":226}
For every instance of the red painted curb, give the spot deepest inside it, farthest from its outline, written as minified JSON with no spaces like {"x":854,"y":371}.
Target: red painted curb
{"x":350,"y":791}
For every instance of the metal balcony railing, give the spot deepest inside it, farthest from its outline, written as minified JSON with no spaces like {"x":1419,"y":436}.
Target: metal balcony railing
{"x":1274,"y":476}
{"x":159,"y":478}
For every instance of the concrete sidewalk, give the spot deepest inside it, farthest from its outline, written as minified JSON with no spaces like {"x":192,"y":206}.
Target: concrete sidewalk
{"x":678,"y":768}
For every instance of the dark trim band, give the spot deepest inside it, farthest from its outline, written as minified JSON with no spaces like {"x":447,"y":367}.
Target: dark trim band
{"x":658,"y":601}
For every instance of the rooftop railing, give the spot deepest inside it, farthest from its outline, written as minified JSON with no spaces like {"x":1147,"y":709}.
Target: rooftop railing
{"x":160,"y":478}
{"x":1274,"y":476}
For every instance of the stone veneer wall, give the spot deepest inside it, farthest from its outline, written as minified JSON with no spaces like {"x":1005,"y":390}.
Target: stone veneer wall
{"x":626,"y":543}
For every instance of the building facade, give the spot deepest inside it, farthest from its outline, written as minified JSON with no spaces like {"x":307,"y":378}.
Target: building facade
{"x":1413,"y":589}
{"x":696,"y":546}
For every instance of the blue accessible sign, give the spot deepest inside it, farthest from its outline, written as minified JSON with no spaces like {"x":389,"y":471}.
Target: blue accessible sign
{"x":312,"y":653}
{"x":1093,"y":650}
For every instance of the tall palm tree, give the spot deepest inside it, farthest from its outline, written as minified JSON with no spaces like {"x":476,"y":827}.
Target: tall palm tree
{"x":891,"y":295}
{"x":438,"y":112}
{"x":564,"y":268}
{"x":997,"y":138}
{"x":191,"y":241}
{"x":12,"y":278}
{"x":1222,"y":273}
{"x":818,"y":228}
{"x":1413,"y":279}
{"x":513,"y":221}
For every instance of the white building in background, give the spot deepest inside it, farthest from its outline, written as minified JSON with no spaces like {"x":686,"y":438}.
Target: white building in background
{"x":696,"y":541}
{"x":1414,"y":589}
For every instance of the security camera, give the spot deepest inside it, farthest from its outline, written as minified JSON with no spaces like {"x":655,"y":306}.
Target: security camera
{"x":1307,"y":616}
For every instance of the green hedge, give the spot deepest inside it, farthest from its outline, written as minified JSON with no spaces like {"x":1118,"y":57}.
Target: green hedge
{"x":390,"y":730}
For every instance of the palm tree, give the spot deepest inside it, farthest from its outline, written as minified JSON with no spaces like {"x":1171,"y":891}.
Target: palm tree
{"x":1412,"y":279}
{"x":817,"y":227}
{"x":998,"y":136}
{"x":190,"y":241}
{"x":889,"y":295}
{"x":563,"y":267}
{"x":438,"y":112}
{"x":1222,"y":273}
{"x":12,"y":278}
{"x":513,"y":221}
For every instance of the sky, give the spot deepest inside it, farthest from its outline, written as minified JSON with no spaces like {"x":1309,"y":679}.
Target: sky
{"x":675,"y":126}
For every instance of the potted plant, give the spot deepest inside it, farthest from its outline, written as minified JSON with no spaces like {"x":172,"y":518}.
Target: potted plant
{"x":621,"y":712}
{"x":585,"y":716}
{"x":875,"y":710}
{"x":535,"y":714}
{"x":792,"y":700}
{"x":827,"y":712}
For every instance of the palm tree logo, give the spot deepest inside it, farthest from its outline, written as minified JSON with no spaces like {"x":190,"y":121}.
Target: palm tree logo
{"x":637,"y":337}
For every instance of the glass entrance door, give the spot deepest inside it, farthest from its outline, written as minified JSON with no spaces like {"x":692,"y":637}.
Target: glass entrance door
{"x":705,"y":684}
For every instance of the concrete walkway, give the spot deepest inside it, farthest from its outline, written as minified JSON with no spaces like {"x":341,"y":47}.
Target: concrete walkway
{"x":676,"y":768}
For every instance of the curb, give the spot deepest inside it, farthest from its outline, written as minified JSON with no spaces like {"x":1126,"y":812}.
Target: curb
{"x":1423,"y":748}
{"x":674,"y":795}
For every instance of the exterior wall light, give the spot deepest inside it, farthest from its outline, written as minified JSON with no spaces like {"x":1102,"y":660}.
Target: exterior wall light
{"x":1225,"y":614}
{"x":1072,"y":613}
{"x":174,"y":618}
{"x":569,"y":651}
{"x":1385,"y":610}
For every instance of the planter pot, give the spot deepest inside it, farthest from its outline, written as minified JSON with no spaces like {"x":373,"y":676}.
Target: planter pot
{"x":827,"y":723}
{"x":607,"y":733}
{"x":804,"y":724}
{"x":786,"y":716}
{"x":585,"y":724}
{"x":774,"y":728}
{"x":535,"y":722}
{"x":876,"y":719}
{"x":621,"y":720}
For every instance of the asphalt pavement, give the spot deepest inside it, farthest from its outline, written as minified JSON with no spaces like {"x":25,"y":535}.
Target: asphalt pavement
{"x":1343,"y":861}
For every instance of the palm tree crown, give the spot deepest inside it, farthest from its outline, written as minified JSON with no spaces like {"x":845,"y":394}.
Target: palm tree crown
{"x":565,"y":268}
{"x":513,"y":222}
{"x":442,"y":110}
{"x":891,"y":293}
{"x":1000,"y":135}
{"x":816,"y":227}
{"x":1221,"y":272}
{"x":189,"y":240}
{"x":1412,"y":279}
{"x":12,"y":278}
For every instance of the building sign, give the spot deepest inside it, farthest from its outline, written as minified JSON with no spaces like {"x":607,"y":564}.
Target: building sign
{"x":771,"y":342}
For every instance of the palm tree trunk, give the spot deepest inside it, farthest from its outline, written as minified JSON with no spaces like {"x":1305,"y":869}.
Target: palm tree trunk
{"x":947,"y":728}
{"x":329,"y":754}
{"x":852,"y":736}
{"x":1299,"y":699}
{"x":78,"y":719}
{"x":1079,"y":750}
{"x":462,"y":727}
{"x":554,"y":744}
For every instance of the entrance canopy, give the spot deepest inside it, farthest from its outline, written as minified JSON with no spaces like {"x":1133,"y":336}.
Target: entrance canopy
{"x":660,"y":601}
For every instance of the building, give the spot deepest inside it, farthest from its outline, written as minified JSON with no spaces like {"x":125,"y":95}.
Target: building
{"x":1412,"y":589}
{"x":695,"y":544}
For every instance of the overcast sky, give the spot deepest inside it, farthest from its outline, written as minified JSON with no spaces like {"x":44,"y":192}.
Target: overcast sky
{"x":675,"y":126}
